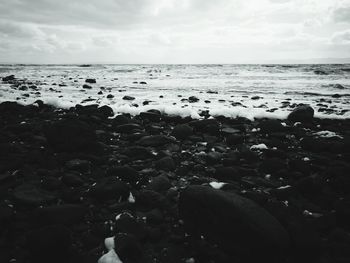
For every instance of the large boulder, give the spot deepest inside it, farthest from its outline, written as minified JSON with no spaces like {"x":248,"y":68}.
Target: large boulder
{"x":303,"y":113}
{"x":70,"y":136}
{"x":182,"y":131}
{"x":236,"y":224}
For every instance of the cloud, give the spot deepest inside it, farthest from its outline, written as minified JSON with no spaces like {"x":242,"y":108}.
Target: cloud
{"x":166,"y":31}
{"x":341,"y":38}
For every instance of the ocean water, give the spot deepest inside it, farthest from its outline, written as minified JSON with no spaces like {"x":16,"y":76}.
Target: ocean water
{"x":221,"y":89}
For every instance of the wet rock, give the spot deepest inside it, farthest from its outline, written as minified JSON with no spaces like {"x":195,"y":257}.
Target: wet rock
{"x":28,"y":194}
{"x":124,"y":173}
{"x":159,"y":183}
{"x":302,"y":113}
{"x":128,"y":248}
{"x":128,"y":128}
{"x":272,"y":165}
{"x":72,"y":179}
{"x":70,"y":135}
{"x":234,"y":139}
{"x":86,"y":86}
{"x":155,"y":117}
{"x":155,"y":140}
{"x":110,"y":188}
{"x":110,"y":96}
{"x":90,"y":80}
{"x":67,"y":214}
{"x":106,"y":111}
{"x":270,"y":126}
{"x":52,"y":243}
{"x":182,"y":131}
{"x":227,"y":174}
{"x":193,"y":99}
{"x":127,"y":224}
{"x":238,"y":225}
{"x":128,"y":98}
{"x":166,"y":164}
{"x":82,"y":166}
{"x":138,"y":152}
{"x":9,"y":78}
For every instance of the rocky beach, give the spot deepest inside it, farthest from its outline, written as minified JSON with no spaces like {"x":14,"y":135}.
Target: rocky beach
{"x":87,"y":184}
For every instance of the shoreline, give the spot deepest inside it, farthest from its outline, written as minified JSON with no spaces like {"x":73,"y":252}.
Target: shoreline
{"x":81,"y":175}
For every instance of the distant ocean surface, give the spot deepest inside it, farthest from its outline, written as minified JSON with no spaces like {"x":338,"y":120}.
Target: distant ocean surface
{"x":230,"y":90}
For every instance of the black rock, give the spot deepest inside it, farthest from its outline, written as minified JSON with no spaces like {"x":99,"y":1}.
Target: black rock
{"x":227,"y":174}
{"x":272,"y":165}
{"x":193,"y":99}
{"x":124,"y":173}
{"x":106,"y":111}
{"x":29,"y":194}
{"x":234,"y":139}
{"x":128,"y":128}
{"x":155,"y":117}
{"x":82,"y":166}
{"x":155,"y":140}
{"x":70,"y":136}
{"x":72,"y":179}
{"x":159,"y":183}
{"x":127,"y":224}
{"x":128,"y":247}
{"x":338,"y":86}
{"x":85,"y":86}
{"x":238,"y":225}
{"x":270,"y":126}
{"x":128,"y":98}
{"x":90,"y":80}
{"x":110,"y":188}
{"x":166,"y":164}
{"x":110,"y":96}
{"x":9,"y":78}
{"x":182,"y":131}
{"x":302,"y":113}
{"x":50,"y":244}
{"x":138,"y":152}
{"x":67,"y":214}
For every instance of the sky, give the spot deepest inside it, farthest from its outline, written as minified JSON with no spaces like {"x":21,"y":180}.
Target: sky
{"x":174,"y":31}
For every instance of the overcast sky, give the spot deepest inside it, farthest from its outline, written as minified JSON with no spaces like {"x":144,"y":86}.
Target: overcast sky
{"x":173,"y":31}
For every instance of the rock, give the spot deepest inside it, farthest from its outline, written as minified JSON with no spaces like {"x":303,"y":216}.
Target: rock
{"x":193,"y":99}
{"x":143,"y":82}
{"x":110,"y":188}
{"x":272,"y":165}
{"x":338,"y":86}
{"x":90,"y":80}
{"x":85,"y":86}
{"x":238,"y":225}
{"x":227,"y":174}
{"x":72,"y":179}
{"x":66,"y":214}
{"x":155,"y":140}
{"x":234,"y":139}
{"x":270,"y":126}
{"x":128,"y":247}
{"x":50,"y":244}
{"x":29,"y":194}
{"x":127,"y":224}
{"x":166,"y":164}
{"x":110,"y":96}
{"x":106,"y":111}
{"x":211,"y":126}
{"x":255,"y":98}
{"x":9,"y":78}
{"x":155,"y":117}
{"x":302,"y":113}
{"x":128,"y":128}
{"x":159,"y":183}
{"x":336,"y":96}
{"x":320,"y":72}
{"x":70,"y":136}
{"x":82,"y":166}
{"x":124,"y":173}
{"x":128,"y":98}
{"x":138,"y":152}
{"x":182,"y":131}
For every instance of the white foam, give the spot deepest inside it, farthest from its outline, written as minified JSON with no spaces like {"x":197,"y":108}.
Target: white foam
{"x":217,"y":185}
{"x":110,"y":257}
{"x":327,"y":134}
{"x":258,"y":147}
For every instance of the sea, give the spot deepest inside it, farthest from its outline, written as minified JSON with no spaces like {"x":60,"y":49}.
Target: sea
{"x":251,"y":91}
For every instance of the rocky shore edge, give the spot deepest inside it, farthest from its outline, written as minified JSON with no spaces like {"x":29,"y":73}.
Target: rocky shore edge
{"x":75,"y":183}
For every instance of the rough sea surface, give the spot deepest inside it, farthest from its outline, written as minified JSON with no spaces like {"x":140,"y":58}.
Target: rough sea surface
{"x":229,"y":90}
